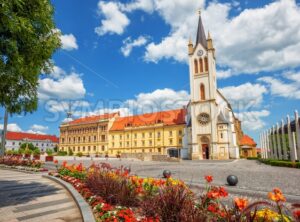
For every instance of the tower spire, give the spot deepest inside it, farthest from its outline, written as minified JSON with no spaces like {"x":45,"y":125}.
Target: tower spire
{"x":201,"y":38}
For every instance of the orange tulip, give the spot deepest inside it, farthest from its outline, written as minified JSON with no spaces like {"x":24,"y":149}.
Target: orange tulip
{"x":240,"y":203}
{"x":277,"y":195}
{"x":209,"y":178}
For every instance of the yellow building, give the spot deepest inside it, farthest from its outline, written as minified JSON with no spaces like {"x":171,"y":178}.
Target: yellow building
{"x":156,"y":133}
{"x":88,"y":135}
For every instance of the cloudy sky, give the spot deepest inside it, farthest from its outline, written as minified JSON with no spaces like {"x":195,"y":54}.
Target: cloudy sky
{"x":131,"y":56}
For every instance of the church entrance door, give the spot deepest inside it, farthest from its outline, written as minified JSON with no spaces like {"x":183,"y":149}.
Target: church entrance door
{"x":205,"y":151}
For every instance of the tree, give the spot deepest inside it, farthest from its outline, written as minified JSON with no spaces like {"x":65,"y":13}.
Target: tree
{"x":28,"y":38}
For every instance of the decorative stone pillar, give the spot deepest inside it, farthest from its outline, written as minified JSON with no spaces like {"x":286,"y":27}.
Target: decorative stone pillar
{"x":295,"y":145}
{"x":297,"y":126}
{"x":270,"y":144}
{"x":291,"y":145}
{"x":283,"y":137}
{"x":278,"y":142}
{"x":267,"y":150}
{"x":261,"y":146}
{"x":275,"y":152}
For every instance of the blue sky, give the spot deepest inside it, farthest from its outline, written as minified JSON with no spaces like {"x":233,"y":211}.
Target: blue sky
{"x":132,"y":56}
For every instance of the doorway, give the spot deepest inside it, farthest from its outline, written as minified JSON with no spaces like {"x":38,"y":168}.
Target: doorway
{"x":205,"y":151}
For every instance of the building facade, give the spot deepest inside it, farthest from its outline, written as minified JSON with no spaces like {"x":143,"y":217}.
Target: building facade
{"x":211,"y":127}
{"x":88,"y":135}
{"x":248,"y":147}
{"x":156,"y":133}
{"x":15,"y":139}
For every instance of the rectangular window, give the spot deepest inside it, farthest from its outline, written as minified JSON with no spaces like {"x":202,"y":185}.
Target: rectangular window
{"x":170,"y":141}
{"x":94,"y":148}
{"x":103,"y":148}
{"x":150,"y":135}
{"x":180,"y":132}
{"x":135,"y":135}
{"x":180,"y":141}
{"x":143,"y":135}
{"x":158,"y":134}
{"x":170,"y":133}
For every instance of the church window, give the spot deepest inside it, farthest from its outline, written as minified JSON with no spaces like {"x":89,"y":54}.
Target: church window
{"x":196,"y":65}
{"x":206,"y":64}
{"x":202,"y":92}
{"x":201,"y":65}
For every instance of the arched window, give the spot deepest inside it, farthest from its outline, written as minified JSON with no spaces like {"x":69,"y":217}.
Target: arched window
{"x":202,"y":92}
{"x":196,"y":66}
{"x":201,"y":65}
{"x":206,"y":64}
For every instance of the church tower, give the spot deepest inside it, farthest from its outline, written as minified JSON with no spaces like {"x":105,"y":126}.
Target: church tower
{"x":203,"y":89}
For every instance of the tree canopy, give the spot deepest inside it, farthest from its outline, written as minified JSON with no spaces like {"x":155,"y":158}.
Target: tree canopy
{"x":28,"y":38}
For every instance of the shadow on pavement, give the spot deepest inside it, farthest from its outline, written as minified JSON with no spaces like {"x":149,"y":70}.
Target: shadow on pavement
{"x":15,"y":192}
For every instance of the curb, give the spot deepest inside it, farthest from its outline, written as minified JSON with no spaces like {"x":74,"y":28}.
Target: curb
{"x":85,"y":210}
{"x":21,"y":171}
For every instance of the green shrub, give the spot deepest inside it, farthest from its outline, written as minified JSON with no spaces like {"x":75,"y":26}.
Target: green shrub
{"x":62,"y":153}
{"x":9,"y":152}
{"x":28,"y":152}
{"x":79,"y":154}
{"x":70,"y":152}
{"x":252,"y":158}
{"x":280,"y":163}
{"x":49,"y":152}
{"x":36,"y":152}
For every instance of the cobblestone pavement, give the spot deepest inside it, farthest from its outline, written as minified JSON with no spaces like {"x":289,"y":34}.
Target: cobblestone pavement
{"x":255,"y":179}
{"x":29,"y":197}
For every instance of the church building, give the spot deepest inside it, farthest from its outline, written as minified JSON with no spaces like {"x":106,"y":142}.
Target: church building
{"x":210,"y":131}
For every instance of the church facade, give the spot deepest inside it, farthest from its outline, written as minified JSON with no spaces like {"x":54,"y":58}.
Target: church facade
{"x":210,"y":131}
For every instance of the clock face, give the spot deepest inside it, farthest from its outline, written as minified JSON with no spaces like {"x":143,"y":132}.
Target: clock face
{"x":200,"y":53}
{"x":203,"y":118}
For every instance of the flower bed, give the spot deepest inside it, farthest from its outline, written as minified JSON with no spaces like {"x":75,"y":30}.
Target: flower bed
{"x":17,"y":162}
{"x":115,"y":195}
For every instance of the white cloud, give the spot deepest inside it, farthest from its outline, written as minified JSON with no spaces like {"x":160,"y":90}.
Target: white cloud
{"x":55,"y":106}
{"x":242,"y":44}
{"x":123,"y":112}
{"x":145,"y":5}
{"x":12,"y":127}
{"x":290,"y":89}
{"x":63,"y":86}
{"x":57,"y":72}
{"x":252,"y":121}
{"x":160,"y":99}
{"x":114,"y":22}
{"x":68,"y":42}
{"x":224,"y":74}
{"x":36,"y":127}
{"x":129,"y":44}
{"x":244,"y":96}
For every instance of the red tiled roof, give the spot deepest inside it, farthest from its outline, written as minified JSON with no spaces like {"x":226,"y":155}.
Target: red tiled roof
{"x":247,"y":140}
{"x":30,"y":136}
{"x":93,"y":119}
{"x":171,"y":117}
